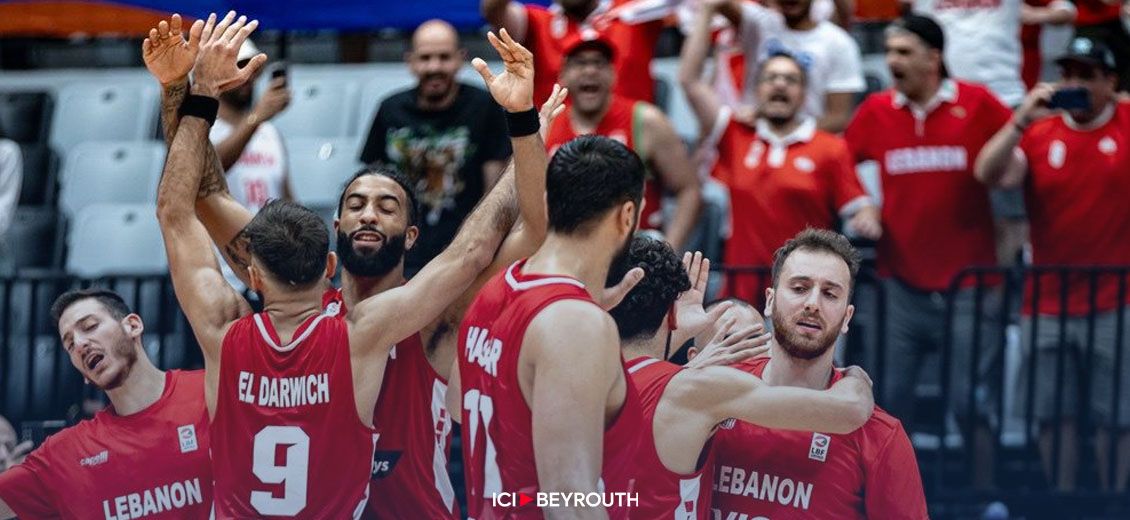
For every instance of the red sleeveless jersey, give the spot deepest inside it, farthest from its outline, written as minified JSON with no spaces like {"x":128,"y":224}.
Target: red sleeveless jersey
{"x":414,"y":435}
{"x":665,"y":494}
{"x":286,"y":438}
{"x":619,"y":124}
{"x":498,"y":452}
{"x":151,"y":464}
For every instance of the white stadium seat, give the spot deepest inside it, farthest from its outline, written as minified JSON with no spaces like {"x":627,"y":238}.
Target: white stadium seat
{"x":119,"y":111}
{"x":110,"y":172}
{"x":116,"y":239}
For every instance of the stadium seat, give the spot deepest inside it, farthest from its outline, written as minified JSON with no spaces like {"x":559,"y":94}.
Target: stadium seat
{"x":124,"y":111}
{"x":110,"y":172}
{"x":319,"y":169}
{"x":54,"y":383}
{"x":25,"y":116}
{"x":40,"y":168}
{"x":319,"y":107}
{"x":32,"y":239}
{"x":111,"y":239}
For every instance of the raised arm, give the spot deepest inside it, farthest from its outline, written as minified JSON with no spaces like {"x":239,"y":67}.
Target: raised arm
{"x":998,"y":164}
{"x":575,"y":370}
{"x":714,"y":394}
{"x":700,"y":93}
{"x":667,"y":155}
{"x":169,"y":57}
{"x":206,"y":298}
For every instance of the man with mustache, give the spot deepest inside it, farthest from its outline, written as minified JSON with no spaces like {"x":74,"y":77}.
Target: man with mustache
{"x":588,"y":71}
{"x":683,"y":407}
{"x":761,"y":472}
{"x":443,"y":134}
{"x":783,"y":174}
{"x":147,"y":454}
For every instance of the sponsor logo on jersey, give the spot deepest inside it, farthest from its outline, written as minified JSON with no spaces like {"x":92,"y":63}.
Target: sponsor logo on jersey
{"x":160,"y":499}
{"x":1108,"y":146}
{"x":95,"y":460}
{"x":483,"y":350}
{"x":187,"y":436}
{"x":925,"y":159}
{"x":284,"y":392}
{"x":804,"y":164}
{"x":819,"y":449}
{"x":384,"y":461}
{"x":728,"y":424}
{"x":1057,"y":154}
{"x":764,"y":487}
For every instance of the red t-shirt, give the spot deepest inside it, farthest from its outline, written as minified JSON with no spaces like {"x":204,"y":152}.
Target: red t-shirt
{"x":1078,"y":198}
{"x":778,"y":187}
{"x":286,"y":437}
{"x":785,"y":474}
{"x":153,"y":463}
{"x":414,"y":434}
{"x":620,"y":123}
{"x":548,"y":29}
{"x":498,"y":451}
{"x":936,"y":215}
{"x":664,"y":493}
{"x":1094,"y":12}
{"x":1030,"y":44}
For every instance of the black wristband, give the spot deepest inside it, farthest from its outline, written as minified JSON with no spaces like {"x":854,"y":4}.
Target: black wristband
{"x":203,"y":107}
{"x":522,"y":124}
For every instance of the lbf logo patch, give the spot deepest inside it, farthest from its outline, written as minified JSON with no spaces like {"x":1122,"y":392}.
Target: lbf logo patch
{"x":819,"y":449}
{"x":187,"y":436}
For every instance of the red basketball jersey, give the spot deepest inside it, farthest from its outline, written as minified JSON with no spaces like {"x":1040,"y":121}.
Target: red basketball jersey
{"x":497,"y":422}
{"x":618,"y":124}
{"x":665,"y":494}
{"x":414,"y":429}
{"x":286,"y":438}
{"x":151,"y":464}
{"x":785,"y":474}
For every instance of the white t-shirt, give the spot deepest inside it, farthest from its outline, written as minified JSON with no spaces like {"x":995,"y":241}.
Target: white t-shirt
{"x":829,"y":54}
{"x":260,"y":172}
{"x":982,"y":42}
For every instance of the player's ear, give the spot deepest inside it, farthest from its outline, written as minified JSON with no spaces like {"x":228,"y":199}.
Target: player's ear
{"x":410,"y":236}
{"x":133,"y":325}
{"x":768,"y":304}
{"x":331,"y":264}
{"x":847,"y":319}
{"x":254,"y":278}
{"x":626,"y":220}
{"x":337,"y":225}
{"x":692,"y":351}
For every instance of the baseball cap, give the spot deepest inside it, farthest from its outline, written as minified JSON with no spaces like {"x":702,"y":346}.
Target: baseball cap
{"x":927,"y":30}
{"x":1086,"y":50}
{"x":589,"y":40}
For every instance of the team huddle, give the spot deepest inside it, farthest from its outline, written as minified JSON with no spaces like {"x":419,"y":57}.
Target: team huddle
{"x":543,"y":331}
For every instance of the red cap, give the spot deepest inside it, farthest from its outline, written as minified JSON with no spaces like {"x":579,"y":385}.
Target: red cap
{"x":586,"y":40}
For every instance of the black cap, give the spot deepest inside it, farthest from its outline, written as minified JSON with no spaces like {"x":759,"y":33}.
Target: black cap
{"x":927,"y":30}
{"x":1092,"y":52}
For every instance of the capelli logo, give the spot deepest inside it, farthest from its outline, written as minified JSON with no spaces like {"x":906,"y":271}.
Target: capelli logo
{"x":96,"y":460}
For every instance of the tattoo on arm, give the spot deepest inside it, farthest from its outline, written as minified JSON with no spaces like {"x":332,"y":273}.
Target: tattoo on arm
{"x":171,"y":98}
{"x":213,"y":181}
{"x":238,"y":250}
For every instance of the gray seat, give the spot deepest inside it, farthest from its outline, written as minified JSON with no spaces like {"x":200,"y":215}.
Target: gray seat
{"x":109,"y":239}
{"x":25,"y":116}
{"x":97,"y":172}
{"x":319,"y":107}
{"x":32,"y":241}
{"x":123,"y":111}
{"x":319,"y":169}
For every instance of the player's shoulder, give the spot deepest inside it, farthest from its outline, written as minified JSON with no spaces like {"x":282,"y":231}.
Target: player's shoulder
{"x":831,"y":33}
{"x":972,"y":92}
{"x":755,"y":366}
{"x":187,"y":380}
{"x":882,"y":426}
{"x":828,"y":142}
{"x":876,"y":102}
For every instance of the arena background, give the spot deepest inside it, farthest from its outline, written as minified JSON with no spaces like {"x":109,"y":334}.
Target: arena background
{"x":75,"y":96}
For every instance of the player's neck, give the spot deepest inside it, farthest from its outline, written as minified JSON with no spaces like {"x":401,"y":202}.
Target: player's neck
{"x":356,"y":288}
{"x":585,"y":259}
{"x":927,"y":93}
{"x":586,"y":122}
{"x":644,"y":347}
{"x":287,"y":310}
{"x":783,"y":128}
{"x":786,"y":370}
{"x":140,"y":390}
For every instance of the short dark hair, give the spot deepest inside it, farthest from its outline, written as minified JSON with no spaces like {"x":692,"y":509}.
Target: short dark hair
{"x":732,"y":299}
{"x":587,"y":177}
{"x":643,"y":309}
{"x":784,"y":54}
{"x":291,"y":241}
{"x":112,"y":301}
{"x":819,"y":241}
{"x":390,"y":172}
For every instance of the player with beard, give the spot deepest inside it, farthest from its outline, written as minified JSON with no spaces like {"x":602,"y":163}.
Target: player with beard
{"x":684,"y":406}
{"x":868,"y":473}
{"x":376,"y":224}
{"x":145,"y":455}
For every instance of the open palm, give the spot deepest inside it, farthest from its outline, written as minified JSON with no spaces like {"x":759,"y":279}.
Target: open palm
{"x":168,"y":54}
{"x":513,"y":89}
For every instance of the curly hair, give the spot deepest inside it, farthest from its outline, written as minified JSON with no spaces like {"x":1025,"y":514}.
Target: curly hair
{"x":642,"y":311}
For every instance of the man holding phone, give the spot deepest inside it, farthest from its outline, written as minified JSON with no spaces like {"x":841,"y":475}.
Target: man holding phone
{"x":1067,"y":145}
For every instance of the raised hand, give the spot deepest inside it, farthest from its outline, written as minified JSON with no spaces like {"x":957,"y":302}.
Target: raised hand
{"x":168,"y":54}
{"x":216,"y":69}
{"x":514,"y":88}
{"x":689,"y":312}
{"x":552,"y":108}
{"x":612,"y":296}
{"x":273,"y":101}
{"x":730,"y":346}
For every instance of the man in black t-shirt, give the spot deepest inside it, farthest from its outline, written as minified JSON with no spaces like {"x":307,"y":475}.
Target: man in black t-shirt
{"x":450,"y":138}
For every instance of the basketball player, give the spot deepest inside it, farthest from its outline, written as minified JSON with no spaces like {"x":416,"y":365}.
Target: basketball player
{"x":410,"y":462}
{"x":145,"y":455}
{"x":273,"y":377}
{"x":762,"y":472}
{"x":683,"y":407}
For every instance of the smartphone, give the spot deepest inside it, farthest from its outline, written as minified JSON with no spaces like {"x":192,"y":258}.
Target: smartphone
{"x":1077,"y":98}
{"x":279,"y":71}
